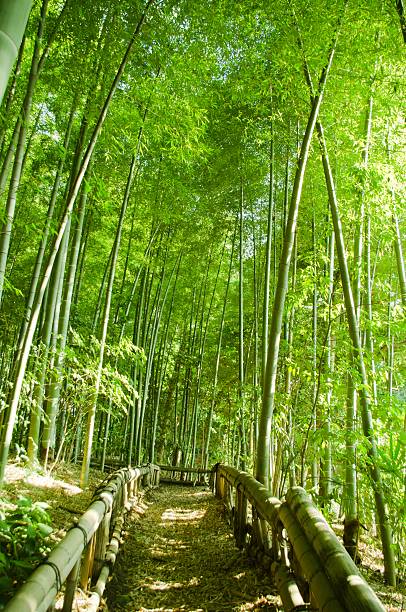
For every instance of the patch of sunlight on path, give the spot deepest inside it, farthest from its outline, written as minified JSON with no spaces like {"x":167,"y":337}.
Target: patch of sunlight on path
{"x":180,"y":556}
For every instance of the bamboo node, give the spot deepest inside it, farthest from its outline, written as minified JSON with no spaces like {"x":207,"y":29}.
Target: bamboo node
{"x":83,"y":530}
{"x":56,"y":571}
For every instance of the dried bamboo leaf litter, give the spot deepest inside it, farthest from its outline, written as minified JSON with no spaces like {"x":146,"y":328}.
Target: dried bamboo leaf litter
{"x":180,"y":556}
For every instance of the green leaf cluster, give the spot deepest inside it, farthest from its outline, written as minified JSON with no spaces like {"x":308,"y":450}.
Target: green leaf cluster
{"x":24,"y":542}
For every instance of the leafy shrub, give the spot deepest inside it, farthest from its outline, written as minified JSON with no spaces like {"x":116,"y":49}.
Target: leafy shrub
{"x":24,"y":542}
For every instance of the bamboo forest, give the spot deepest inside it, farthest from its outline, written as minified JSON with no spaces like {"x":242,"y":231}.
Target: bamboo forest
{"x":202,"y":256}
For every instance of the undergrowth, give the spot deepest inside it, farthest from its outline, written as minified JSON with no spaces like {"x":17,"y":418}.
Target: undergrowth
{"x":24,"y":542}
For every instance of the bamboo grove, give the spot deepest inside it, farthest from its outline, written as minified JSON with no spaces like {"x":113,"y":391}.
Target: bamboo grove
{"x":201,"y":248}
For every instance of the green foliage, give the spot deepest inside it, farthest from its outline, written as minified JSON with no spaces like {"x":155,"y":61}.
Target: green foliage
{"x":116,"y":385}
{"x":195,"y":105}
{"x":24,"y":542}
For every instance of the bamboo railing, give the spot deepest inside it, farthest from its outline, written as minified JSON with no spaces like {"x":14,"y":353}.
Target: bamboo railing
{"x":86,"y":555}
{"x":292,"y":539}
{"x":176,"y":474}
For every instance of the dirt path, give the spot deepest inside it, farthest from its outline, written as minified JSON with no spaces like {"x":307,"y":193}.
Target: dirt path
{"x":180,"y":556}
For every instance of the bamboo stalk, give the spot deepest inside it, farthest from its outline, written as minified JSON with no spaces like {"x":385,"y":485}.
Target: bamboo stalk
{"x":102,"y":541}
{"x":14,"y":17}
{"x":87,"y":563}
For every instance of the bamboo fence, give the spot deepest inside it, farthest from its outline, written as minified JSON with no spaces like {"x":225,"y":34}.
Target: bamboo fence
{"x":86,"y":555}
{"x":293,"y":540}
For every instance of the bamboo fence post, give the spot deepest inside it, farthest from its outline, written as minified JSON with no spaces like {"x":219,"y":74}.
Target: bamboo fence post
{"x":229,"y":502}
{"x":217,"y":478}
{"x":212,"y":479}
{"x":70,"y":589}
{"x":288,"y":590}
{"x":256,"y":531}
{"x":116,"y":506}
{"x":102,"y":540}
{"x":146,"y":480}
{"x":279,"y":552}
{"x":221,"y":486}
{"x":265,"y":535}
{"x":87,"y":564}
{"x":124,"y":495}
{"x":240,"y":518}
{"x":111,"y":555}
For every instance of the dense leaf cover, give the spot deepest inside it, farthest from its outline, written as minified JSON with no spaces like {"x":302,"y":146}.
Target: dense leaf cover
{"x":133,"y":328}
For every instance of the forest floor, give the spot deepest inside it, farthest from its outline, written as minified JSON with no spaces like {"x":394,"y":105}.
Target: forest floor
{"x":178,"y":552}
{"x":59,"y":489}
{"x":180,"y":556}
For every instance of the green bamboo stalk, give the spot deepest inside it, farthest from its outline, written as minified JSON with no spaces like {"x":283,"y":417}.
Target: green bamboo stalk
{"x":241,"y":393}
{"x":91,"y":417}
{"x":367,"y":424}
{"x":13,"y":20}
{"x":10,"y":95}
{"x":268,"y":251}
{"x":266,"y":421}
{"x":5,"y":233}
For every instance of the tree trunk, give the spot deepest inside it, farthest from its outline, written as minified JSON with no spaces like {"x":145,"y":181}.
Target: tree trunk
{"x":326,"y":466}
{"x":54,"y":387}
{"x":351,"y":522}
{"x":365,"y":402}
{"x":46,"y":332}
{"x":268,"y":251}
{"x":45,"y":233}
{"x":265,"y":429}
{"x":48,"y":435}
{"x":367,"y":425}
{"x":13,"y":20}
{"x":20,"y":149}
{"x":402,"y":18}
{"x":162,"y":369}
{"x":84,"y":476}
{"x":218,"y":352}
{"x":241,"y":393}
{"x":10,"y":96}
{"x":315,"y":453}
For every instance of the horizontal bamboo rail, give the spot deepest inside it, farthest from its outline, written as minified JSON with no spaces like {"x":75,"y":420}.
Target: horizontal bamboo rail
{"x":293,"y":540}
{"x":179,"y":475}
{"x":187,"y":470}
{"x":96,"y":535}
